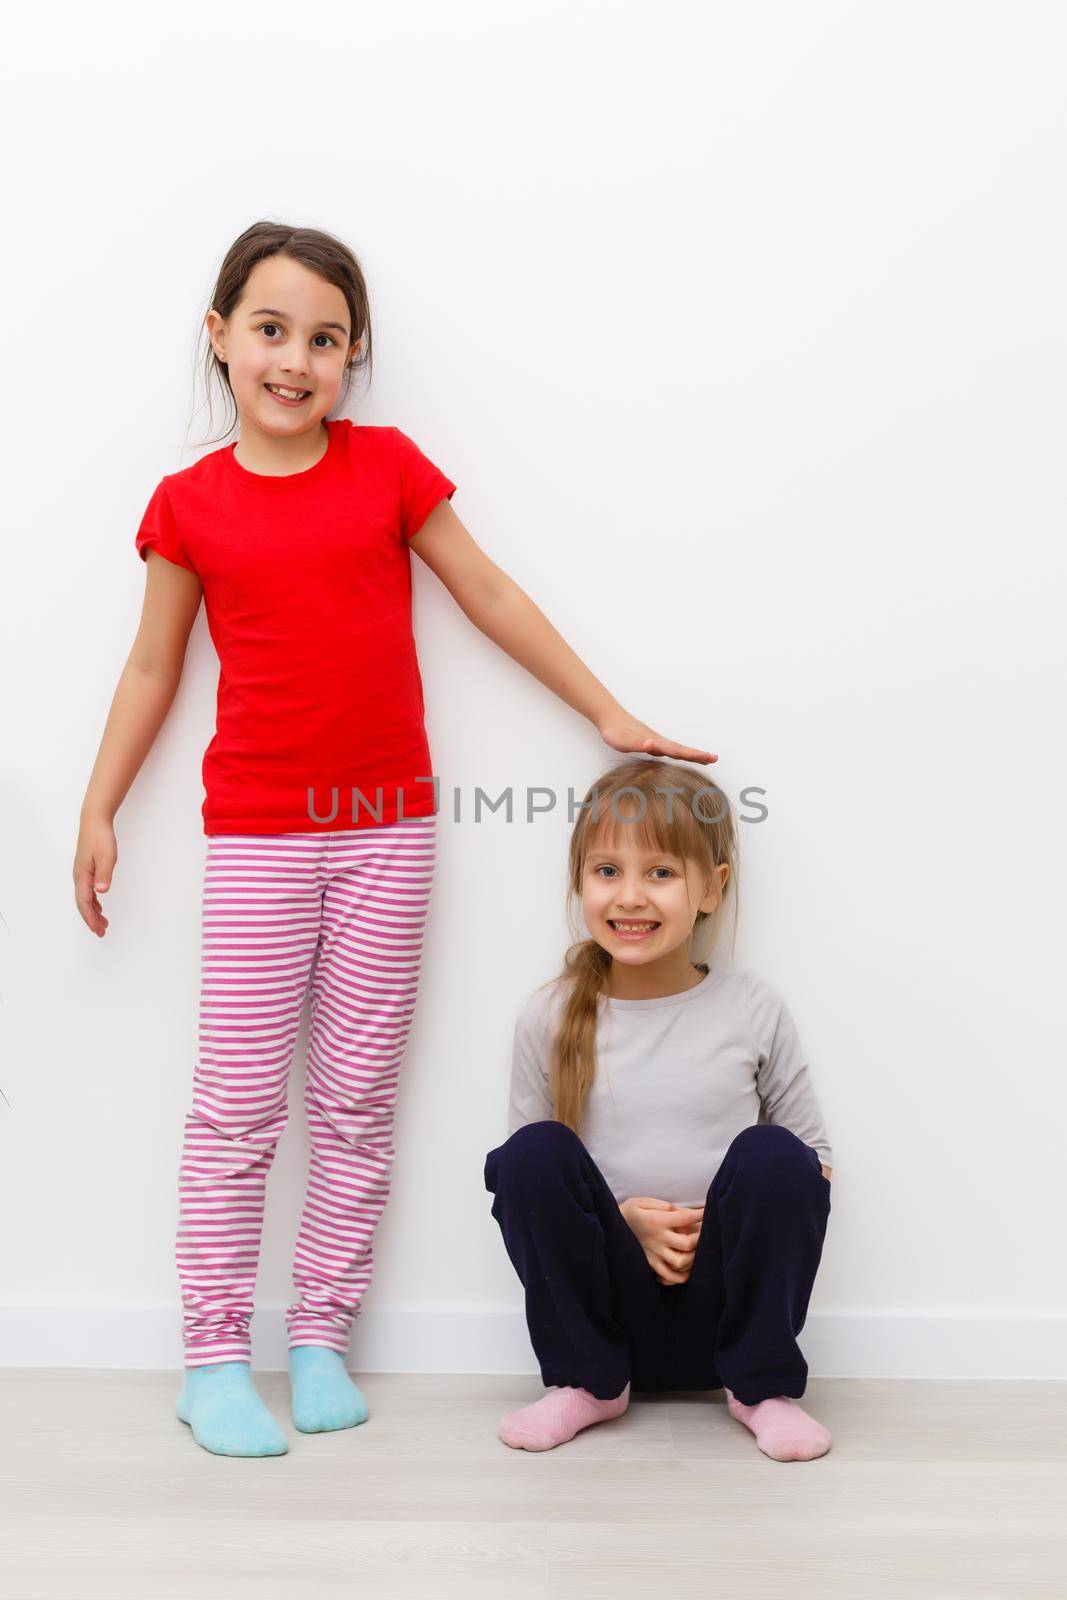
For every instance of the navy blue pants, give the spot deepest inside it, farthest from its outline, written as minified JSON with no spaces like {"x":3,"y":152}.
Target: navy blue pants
{"x":597,"y":1313}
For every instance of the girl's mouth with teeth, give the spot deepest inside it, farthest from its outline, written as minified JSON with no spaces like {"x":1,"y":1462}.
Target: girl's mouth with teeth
{"x":287,"y":399}
{"x":632,"y":930}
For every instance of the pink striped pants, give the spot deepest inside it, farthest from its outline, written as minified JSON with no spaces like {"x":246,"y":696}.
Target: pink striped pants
{"x":352,"y":906}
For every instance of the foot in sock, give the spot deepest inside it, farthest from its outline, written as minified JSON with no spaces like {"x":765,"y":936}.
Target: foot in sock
{"x":783,"y":1430}
{"x":558,"y":1417}
{"x":324,"y":1396}
{"x":220,"y":1403}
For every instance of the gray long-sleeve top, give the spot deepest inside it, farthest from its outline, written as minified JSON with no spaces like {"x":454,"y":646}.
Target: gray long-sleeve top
{"x":677,"y":1079}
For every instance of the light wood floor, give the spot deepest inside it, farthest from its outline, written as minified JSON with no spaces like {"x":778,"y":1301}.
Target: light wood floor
{"x":931,"y":1489}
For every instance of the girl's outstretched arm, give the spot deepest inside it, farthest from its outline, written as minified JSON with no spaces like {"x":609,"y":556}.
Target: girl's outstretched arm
{"x":506,"y":614}
{"x":139,"y":707}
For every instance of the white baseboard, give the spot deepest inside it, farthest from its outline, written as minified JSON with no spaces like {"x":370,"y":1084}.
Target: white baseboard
{"x":836,"y":1344}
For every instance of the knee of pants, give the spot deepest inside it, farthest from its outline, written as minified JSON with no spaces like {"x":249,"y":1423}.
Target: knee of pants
{"x":361,"y":1120}
{"x":263,"y":1127}
{"x":767,"y":1147}
{"x":530,"y":1152}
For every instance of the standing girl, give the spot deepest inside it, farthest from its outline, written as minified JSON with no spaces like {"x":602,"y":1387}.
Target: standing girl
{"x":642,"y":1075}
{"x":319,"y":808}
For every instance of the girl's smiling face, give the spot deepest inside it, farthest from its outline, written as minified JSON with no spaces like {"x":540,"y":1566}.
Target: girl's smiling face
{"x":290,"y":329}
{"x":640,"y":903}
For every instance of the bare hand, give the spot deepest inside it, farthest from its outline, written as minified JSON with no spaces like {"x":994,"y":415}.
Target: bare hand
{"x":623,"y":732}
{"x":94,"y":864}
{"x":667,"y":1233}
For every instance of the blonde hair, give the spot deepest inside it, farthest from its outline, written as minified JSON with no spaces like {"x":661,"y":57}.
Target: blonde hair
{"x":695,"y":824}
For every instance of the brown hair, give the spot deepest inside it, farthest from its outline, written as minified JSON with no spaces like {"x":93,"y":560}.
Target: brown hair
{"x":322,"y":253}
{"x":697,"y":825}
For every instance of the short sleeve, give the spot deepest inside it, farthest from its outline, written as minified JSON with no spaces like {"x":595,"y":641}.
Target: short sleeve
{"x":422,"y":485}
{"x":531,"y":1096}
{"x":159,"y":531}
{"x":787,"y":1095}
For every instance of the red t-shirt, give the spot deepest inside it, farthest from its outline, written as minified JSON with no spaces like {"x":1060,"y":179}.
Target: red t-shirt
{"x":307,"y":588}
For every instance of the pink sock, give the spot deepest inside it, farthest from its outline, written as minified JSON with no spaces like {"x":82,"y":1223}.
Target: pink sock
{"x":558,"y":1417}
{"x":783,"y":1430}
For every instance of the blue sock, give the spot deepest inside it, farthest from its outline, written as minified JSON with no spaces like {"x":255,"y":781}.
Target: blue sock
{"x":324,"y":1396}
{"x":226,"y":1414}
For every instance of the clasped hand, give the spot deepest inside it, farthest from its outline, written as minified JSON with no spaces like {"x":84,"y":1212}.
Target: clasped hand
{"x":667,"y":1233}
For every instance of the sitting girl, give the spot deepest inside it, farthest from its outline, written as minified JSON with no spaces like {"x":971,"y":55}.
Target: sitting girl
{"x":664,"y":1192}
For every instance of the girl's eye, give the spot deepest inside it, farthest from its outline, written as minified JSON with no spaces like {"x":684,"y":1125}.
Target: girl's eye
{"x":265,"y":325}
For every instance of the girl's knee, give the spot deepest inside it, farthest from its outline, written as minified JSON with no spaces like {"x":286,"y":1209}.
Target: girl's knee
{"x":238,"y":1124}
{"x":767,"y":1146}
{"x":530,"y":1152}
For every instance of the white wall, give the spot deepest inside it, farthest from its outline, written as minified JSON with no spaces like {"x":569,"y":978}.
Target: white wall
{"x":741,"y":330}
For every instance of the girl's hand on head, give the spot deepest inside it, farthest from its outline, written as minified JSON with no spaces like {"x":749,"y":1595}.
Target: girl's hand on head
{"x":94,"y":866}
{"x":626,"y":733}
{"x":667,"y":1233}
